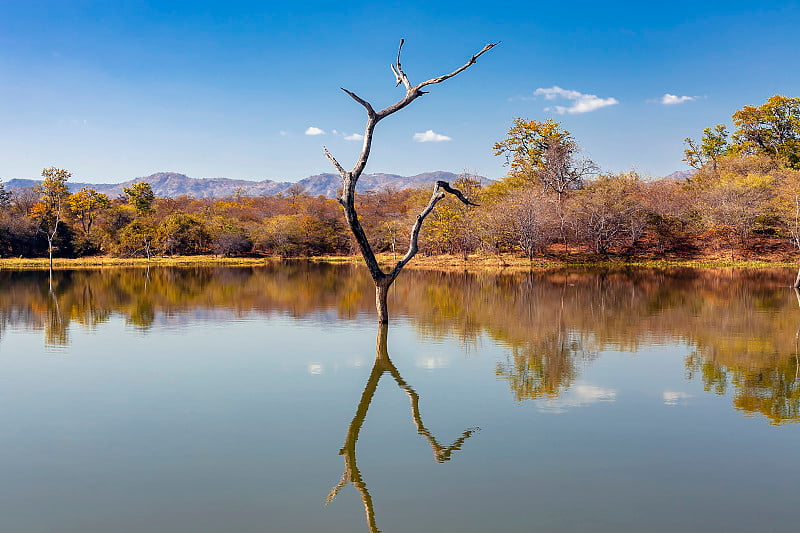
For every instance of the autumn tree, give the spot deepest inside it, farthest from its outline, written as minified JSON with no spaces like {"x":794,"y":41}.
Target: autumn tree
{"x":182,"y":234}
{"x":546,"y":154}
{"x":535,"y":220}
{"x":608,"y":212}
{"x":140,"y":195}
{"x":731,"y":200}
{"x":669,"y":212}
{"x":48,"y":210}
{"x":452,"y":228}
{"x":527,"y":142}
{"x":383,"y":280}
{"x":772,"y":129}
{"x":787,"y":205}
{"x":85,"y":206}
{"x":713,"y":144}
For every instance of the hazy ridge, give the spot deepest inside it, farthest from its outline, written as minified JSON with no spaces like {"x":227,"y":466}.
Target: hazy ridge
{"x":171,"y":184}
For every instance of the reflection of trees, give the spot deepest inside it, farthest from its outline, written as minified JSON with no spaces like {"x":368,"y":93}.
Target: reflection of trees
{"x":771,"y":387}
{"x":739,"y":323}
{"x":352,"y":474}
{"x":546,"y":367}
{"x":772,"y":391}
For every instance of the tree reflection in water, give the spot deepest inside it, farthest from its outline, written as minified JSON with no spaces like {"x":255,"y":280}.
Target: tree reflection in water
{"x":352,"y":474}
{"x":738,"y":323}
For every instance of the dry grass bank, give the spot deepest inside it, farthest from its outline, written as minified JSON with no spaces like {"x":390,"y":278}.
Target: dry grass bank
{"x":474,"y":262}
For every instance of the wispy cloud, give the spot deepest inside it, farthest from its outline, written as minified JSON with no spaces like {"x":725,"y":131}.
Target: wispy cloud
{"x":354,"y":137}
{"x":431,"y":136}
{"x":313,"y":130}
{"x":581,"y":102}
{"x":672,"y":99}
{"x":283,"y":133}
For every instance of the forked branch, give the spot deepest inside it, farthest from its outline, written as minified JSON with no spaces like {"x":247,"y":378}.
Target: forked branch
{"x":439,"y":191}
{"x":412,"y":93}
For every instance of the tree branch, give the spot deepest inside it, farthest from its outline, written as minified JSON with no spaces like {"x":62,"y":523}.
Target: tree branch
{"x":455,"y":192}
{"x":439,"y":190}
{"x":335,"y":163}
{"x":468,"y":64}
{"x":361,"y":101}
{"x":400,"y":76}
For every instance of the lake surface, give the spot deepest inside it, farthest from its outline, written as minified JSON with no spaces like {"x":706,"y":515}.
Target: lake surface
{"x":267,"y":399}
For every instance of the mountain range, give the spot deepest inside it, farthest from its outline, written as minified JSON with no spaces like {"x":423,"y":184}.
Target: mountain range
{"x":171,"y":184}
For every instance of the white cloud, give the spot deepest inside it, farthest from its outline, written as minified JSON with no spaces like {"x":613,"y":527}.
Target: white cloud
{"x":578,"y":396}
{"x":431,"y":137}
{"x":284,"y":133}
{"x":582,"y":103}
{"x":354,"y":137}
{"x":313,"y":130}
{"x":671,"y":99}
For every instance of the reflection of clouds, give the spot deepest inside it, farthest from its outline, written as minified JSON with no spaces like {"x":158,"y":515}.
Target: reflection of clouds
{"x":315,"y":368}
{"x":355,"y":362}
{"x":432,"y":363}
{"x":578,"y":396}
{"x":676,"y":398}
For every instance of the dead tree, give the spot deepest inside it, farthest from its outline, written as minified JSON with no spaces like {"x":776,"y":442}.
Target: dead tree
{"x":383,"y":280}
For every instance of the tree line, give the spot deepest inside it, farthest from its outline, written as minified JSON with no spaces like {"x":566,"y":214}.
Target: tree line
{"x":745,"y":192}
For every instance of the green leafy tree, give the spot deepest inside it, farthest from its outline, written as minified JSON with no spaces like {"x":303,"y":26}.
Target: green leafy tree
{"x":141,"y":197}
{"x":772,"y":129}
{"x":713,"y":145}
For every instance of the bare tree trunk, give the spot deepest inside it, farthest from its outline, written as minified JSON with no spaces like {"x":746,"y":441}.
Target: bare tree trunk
{"x":797,"y":280}
{"x":381,"y":294}
{"x":381,"y":279}
{"x":50,"y":255}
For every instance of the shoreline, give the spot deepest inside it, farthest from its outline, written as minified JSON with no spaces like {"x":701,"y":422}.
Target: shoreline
{"x":476,"y":262}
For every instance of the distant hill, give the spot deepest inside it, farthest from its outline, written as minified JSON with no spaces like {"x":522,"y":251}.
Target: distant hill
{"x":171,"y":184}
{"x":680,"y":175}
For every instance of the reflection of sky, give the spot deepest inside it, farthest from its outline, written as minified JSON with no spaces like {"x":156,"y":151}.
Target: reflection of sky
{"x":432,"y":362}
{"x":577,"y":396}
{"x":144,"y":416}
{"x":676,"y":398}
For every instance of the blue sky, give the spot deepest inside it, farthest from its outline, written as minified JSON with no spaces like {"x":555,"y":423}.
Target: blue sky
{"x":114,"y":90}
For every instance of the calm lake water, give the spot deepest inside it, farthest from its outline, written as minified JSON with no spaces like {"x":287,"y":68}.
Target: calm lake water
{"x":267,"y":399}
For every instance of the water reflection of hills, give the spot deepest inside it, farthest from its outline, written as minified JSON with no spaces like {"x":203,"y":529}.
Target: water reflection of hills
{"x":742,"y":324}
